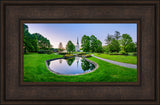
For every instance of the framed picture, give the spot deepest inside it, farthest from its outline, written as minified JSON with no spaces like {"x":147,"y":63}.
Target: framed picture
{"x":80,"y":52}
{"x":71,"y":59}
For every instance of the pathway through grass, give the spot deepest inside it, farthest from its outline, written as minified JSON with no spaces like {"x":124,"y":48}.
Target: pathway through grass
{"x":120,"y":58}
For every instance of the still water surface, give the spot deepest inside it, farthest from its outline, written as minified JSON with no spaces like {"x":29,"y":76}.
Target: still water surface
{"x":74,"y":65}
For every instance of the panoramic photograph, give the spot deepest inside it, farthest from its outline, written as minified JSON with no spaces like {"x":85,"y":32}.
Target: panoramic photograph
{"x":80,"y":52}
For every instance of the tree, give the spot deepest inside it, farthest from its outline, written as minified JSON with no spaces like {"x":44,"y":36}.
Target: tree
{"x":25,"y":41}
{"x":114,"y":46}
{"x":109,"y":39}
{"x":99,"y":46}
{"x":131,"y":47}
{"x":85,"y":43}
{"x":25,"y":27}
{"x":106,"y":48}
{"x":117,"y":35}
{"x":34,"y":42}
{"x":70,"y":47}
{"x":93,"y":42}
{"x":30,"y":42}
{"x":125,"y":40}
{"x":43,"y":43}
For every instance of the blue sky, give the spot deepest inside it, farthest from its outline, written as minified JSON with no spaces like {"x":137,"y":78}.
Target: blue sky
{"x":63,"y":32}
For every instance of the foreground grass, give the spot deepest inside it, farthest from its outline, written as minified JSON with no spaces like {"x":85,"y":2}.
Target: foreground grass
{"x":35,"y":70}
{"x":120,"y":58}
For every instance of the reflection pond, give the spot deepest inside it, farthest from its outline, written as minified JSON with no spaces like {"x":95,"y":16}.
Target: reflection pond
{"x":74,"y":65}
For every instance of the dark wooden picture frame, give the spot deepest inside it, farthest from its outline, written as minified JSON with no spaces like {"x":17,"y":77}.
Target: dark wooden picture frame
{"x":143,"y":12}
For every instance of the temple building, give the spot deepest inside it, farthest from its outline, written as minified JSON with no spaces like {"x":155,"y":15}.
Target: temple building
{"x":77,"y":46}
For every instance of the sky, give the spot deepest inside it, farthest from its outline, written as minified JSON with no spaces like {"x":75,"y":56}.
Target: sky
{"x":63,"y":32}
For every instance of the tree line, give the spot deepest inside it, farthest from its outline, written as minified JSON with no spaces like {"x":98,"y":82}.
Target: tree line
{"x":34,"y":42}
{"x":91,"y":44}
{"x":88,"y":44}
{"x":116,"y":43}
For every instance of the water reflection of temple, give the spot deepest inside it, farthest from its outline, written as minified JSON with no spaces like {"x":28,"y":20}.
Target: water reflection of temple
{"x":77,"y":59}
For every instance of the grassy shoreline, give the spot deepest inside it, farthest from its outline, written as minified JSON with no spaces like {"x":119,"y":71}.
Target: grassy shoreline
{"x":35,"y":70}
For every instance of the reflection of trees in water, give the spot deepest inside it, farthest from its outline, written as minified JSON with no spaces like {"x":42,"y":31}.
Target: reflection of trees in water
{"x":60,"y":60}
{"x":70,"y":61}
{"x":86,"y":65}
{"x":92,"y":66}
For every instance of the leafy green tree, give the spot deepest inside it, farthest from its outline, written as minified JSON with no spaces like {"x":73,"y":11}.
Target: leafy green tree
{"x":109,"y":39}
{"x":43,"y":43}
{"x":29,"y":42}
{"x":114,"y":46}
{"x":85,"y":43}
{"x":125,"y":41}
{"x":99,"y":46}
{"x":93,"y":43}
{"x":70,"y":47}
{"x":25,"y":27}
{"x":34,"y":42}
{"x":106,"y":48}
{"x":117,"y":35}
{"x":131,"y":47}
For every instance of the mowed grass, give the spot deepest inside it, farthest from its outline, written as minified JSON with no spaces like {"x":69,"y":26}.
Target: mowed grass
{"x":120,"y":58}
{"x":35,"y":70}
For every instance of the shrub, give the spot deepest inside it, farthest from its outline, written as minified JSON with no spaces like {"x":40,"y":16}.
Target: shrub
{"x":123,"y":52}
{"x":87,"y":56}
{"x":135,"y":54}
{"x":44,"y":52}
{"x":62,"y":53}
{"x":114,"y":53}
{"x":49,"y":52}
{"x":68,"y":55}
{"x":82,"y":53}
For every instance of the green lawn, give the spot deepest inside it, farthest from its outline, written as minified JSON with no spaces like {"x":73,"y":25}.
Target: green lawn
{"x":35,"y":70}
{"x":120,"y":58}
